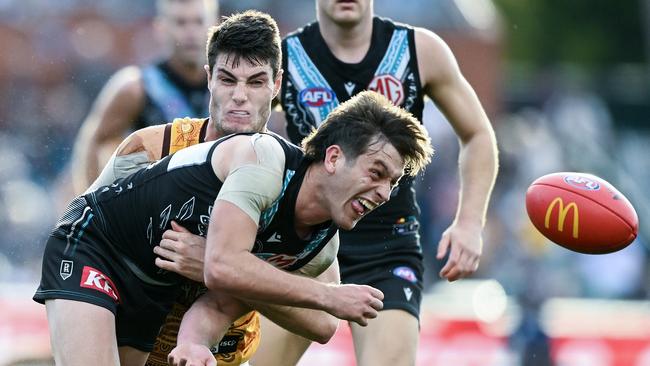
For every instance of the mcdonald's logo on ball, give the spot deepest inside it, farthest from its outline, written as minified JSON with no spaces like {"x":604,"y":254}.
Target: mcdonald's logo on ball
{"x":562,"y":214}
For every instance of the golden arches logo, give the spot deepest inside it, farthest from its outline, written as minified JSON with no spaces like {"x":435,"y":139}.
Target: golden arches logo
{"x":562,"y":213}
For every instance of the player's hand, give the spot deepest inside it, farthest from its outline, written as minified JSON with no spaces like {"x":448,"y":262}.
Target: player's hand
{"x":181,"y":252}
{"x":356,"y":303}
{"x":191,"y":354}
{"x":465,"y":245}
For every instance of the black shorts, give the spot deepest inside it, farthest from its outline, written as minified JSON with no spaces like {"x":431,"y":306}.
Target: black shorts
{"x":401,"y":283}
{"x":81,"y":266}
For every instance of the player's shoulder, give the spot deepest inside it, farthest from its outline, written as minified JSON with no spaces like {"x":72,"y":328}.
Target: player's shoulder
{"x":390,"y":24}
{"x":149,"y":139}
{"x":127,"y":81}
{"x":426,"y":38}
{"x":250,"y":143}
{"x":440,"y":61}
{"x":304,"y":30}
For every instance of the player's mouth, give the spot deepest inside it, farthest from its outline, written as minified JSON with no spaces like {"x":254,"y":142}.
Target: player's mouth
{"x":238,"y":114}
{"x":362,"y":206}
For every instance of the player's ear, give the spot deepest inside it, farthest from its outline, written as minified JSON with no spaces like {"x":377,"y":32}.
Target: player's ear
{"x":277,"y":83}
{"x":207,"y":71}
{"x":333,"y":157}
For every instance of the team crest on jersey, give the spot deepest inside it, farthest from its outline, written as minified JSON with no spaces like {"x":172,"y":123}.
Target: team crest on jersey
{"x":406,"y":273}
{"x":316,"y":97}
{"x":65,"y":271}
{"x":388,"y":86}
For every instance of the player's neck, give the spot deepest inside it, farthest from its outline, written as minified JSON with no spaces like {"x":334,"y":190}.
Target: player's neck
{"x":348,"y":44}
{"x":310,"y":207}
{"x":192,"y":73}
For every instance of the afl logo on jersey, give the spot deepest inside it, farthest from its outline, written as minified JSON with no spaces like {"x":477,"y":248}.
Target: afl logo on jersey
{"x":388,"y":86}
{"x":316,"y":97}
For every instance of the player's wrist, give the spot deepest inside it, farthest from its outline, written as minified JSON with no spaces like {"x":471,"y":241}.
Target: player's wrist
{"x":326,"y":295}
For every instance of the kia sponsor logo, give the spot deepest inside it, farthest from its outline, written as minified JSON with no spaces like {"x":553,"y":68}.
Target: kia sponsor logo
{"x":96,"y":280}
{"x":316,"y":97}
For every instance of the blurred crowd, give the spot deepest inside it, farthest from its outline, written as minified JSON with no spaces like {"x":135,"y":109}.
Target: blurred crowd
{"x":57,"y":55}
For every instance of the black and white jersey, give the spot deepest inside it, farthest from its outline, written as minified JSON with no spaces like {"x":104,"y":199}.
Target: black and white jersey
{"x":133,"y":212}
{"x":315,"y":82}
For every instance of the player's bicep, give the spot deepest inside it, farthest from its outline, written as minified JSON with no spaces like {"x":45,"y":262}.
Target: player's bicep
{"x":444,"y":83}
{"x":231,"y":231}
{"x":117,"y":105}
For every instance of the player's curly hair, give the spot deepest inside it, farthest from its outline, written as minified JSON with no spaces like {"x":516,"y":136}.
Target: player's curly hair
{"x":251,"y":35}
{"x":368,"y":118}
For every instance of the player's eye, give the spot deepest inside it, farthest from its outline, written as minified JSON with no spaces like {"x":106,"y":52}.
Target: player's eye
{"x":257,"y":83}
{"x":227,"y":81}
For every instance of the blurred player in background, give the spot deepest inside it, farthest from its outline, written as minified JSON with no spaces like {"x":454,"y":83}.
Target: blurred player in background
{"x":346,"y":51}
{"x":137,"y":97}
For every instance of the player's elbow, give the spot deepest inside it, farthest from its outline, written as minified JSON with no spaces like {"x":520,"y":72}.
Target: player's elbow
{"x":218,"y":275}
{"x":327,"y":330}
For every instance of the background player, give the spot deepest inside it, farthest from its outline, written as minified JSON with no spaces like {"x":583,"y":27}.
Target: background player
{"x":137,"y":97}
{"x":348,"y":50}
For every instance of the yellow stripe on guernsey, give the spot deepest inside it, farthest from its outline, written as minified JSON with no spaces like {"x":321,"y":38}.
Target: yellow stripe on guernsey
{"x":185,"y":132}
{"x":245,"y":331}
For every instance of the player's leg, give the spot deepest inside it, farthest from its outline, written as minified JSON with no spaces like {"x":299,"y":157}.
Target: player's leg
{"x":390,"y":339}
{"x":130,"y":356}
{"x":278,"y":346}
{"x":81,"y":333}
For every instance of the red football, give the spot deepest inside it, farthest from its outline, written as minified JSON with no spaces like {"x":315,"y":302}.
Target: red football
{"x":581,"y":212}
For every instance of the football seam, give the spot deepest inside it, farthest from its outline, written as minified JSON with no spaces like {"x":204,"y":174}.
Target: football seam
{"x":596,"y":202}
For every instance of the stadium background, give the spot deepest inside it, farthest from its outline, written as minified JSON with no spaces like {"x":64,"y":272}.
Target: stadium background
{"x":566,"y":85}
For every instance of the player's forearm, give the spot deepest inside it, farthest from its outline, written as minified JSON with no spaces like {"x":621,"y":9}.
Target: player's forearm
{"x":478,"y":160}
{"x":243,"y":275}
{"x":208,"y":319}
{"x":315,"y":325}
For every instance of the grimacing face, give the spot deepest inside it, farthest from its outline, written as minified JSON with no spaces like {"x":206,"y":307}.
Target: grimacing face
{"x":182,"y":28}
{"x":241,"y":95}
{"x":364,"y":183}
{"x":344,"y":12}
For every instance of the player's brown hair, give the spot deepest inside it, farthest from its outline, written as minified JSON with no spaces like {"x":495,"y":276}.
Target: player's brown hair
{"x":251,"y":35}
{"x":368,"y":118}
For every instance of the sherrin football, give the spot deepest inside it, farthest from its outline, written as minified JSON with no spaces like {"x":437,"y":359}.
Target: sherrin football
{"x":581,"y":212}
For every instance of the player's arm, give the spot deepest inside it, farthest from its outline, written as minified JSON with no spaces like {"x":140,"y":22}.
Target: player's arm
{"x":112,"y":114}
{"x":229,"y":264}
{"x":478,"y":161}
{"x":315,"y":325}
{"x":138,"y":150}
{"x":182,"y":252}
{"x":205,"y":323}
